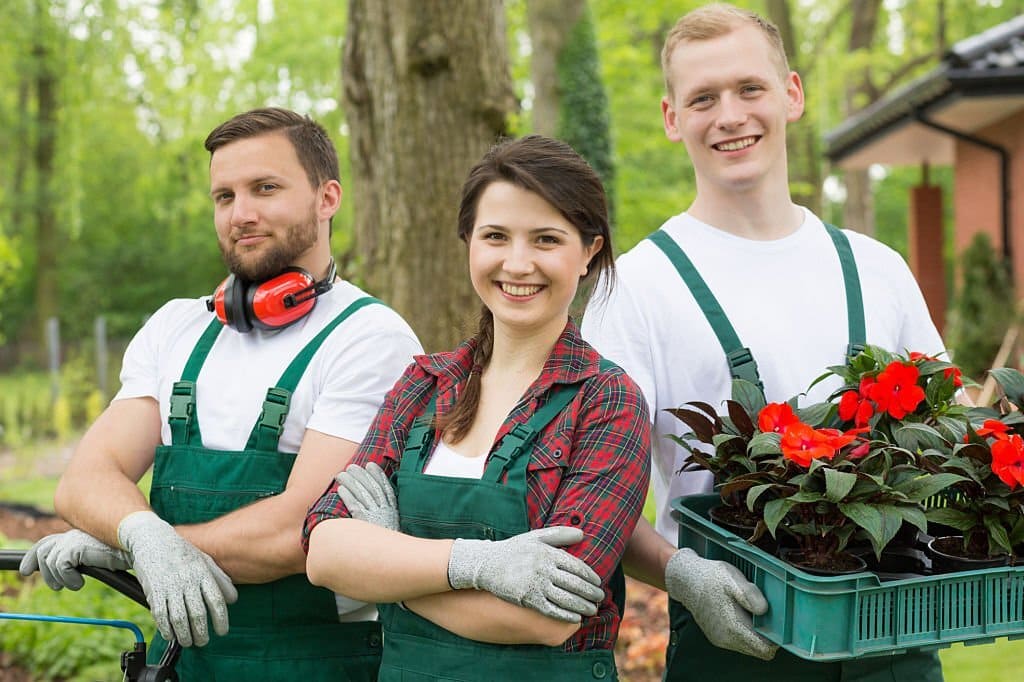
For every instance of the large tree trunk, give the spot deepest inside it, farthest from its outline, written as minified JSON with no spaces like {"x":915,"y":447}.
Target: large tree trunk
{"x":859,"y":209}
{"x":550,"y":21}
{"x":46,"y":239}
{"x":426,"y":90}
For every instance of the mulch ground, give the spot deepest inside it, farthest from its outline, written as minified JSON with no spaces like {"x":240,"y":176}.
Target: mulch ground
{"x":640,"y":652}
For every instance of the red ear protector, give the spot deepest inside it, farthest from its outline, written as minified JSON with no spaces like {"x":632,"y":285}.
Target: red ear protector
{"x":271,"y":304}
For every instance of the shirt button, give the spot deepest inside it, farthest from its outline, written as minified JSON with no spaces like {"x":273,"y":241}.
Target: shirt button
{"x":600,"y":670}
{"x":557,"y":454}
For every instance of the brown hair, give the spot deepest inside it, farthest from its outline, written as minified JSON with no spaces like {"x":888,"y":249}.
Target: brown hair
{"x":716,"y":20}
{"x":552,"y":170}
{"x":312,"y":145}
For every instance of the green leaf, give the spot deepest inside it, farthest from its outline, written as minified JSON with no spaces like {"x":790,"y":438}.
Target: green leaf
{"x":702,"y":427}
{"x":867,"y":517}
{"x":923,"y":487}
{"x":954,"y":518}
{"x":756,"y":492}
{"x":765,"y":444}
{"x":1011,"y":381}
{"x":748,"y":396}
{"x":997,"y":536}
{"x":838,"y":484}
{"x":775,"y":511}
{"x":914,"y":516}
{"x":914,"y":436}
{"x":815,"y":415}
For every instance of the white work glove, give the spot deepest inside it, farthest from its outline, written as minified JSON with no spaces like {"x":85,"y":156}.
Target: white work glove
{"x":529,"y":570}
{"x":368,"y":495}
{"x":58,"y":556}
{"x":721,"y":601}
{"x":182,"y":583}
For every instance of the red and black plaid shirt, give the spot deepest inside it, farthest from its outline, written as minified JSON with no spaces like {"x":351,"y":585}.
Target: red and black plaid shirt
{"x":589,"y":466}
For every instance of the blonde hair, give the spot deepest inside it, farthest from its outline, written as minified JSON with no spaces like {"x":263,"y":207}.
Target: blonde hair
{"x":716,"y":20}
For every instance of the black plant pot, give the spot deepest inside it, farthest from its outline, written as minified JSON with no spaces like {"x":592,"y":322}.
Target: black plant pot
{"x":948,"y":556}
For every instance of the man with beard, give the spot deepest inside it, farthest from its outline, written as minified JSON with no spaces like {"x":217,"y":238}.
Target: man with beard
{"x":245,"y":405}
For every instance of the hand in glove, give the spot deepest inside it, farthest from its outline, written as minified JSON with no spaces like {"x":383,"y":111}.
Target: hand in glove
{"x":58,"y":557}
{"x":368,"y":495}
{"x":529,"y":570}
{"x":181,"y":582}
{"x":721,"y":601}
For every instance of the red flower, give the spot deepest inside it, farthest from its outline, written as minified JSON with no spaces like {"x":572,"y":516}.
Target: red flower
{"x":802,"y":444}
{"x":948,"y":372}
{"x":896,"y":390}
{"x":774,"y":417}
{"x":993,"y":427}
{"x":856,"y":405}
{"x":1008,"y":460}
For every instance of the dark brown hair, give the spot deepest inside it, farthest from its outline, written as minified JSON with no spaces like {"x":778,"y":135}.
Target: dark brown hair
{"x":312,"y":145}
{"x":552,"y":170}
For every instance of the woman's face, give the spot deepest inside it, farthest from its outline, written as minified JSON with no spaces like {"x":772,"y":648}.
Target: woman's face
{"x":526,"y":260}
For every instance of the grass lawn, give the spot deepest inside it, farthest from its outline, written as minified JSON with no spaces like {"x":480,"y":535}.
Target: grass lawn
{"x":998,"y":662}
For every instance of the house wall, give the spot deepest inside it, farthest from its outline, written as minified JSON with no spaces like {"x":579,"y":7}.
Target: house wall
{"x":977,"y":201}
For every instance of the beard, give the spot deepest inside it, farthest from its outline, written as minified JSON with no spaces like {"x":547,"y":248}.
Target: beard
{"x":263,"y":262}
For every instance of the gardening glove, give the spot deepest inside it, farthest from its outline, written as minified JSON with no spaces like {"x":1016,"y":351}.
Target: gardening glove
{"x":529,"y":570}
{"x":58,"y":556}
{"x":369,"y":496}
{"x":721,"y":601}
{"x":182,"y":583}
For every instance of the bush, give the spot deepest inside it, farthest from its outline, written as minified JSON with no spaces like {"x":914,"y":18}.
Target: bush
{"x":983,"y":309}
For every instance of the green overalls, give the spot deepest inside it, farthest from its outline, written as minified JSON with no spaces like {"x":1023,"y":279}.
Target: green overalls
{"x":416,"y":649}
{"x":282,"y":630}
{"x":690,"y":655}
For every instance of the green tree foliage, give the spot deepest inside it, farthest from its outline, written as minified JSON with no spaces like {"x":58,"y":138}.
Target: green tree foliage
{"x":983,"y":308}
{"x":583,"y":119}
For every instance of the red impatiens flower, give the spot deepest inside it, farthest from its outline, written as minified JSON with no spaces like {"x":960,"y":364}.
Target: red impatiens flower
{"x":856,"y":405}
{"x":802,"y":444}
{"x":993,"y":427}
{"x":948,"y":372}
{"x":774,"y":417}
{"x":896,"y":390}
{"x":1008,"y":460}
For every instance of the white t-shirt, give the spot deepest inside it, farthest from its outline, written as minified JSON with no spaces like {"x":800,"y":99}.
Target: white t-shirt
{"x":446,"y":462}
{"x":787,"y":302}
{"x":338,"y":395}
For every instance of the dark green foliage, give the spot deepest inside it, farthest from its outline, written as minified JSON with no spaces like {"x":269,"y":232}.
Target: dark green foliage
{"x":583,"y":120}
{"x":983,"y":308}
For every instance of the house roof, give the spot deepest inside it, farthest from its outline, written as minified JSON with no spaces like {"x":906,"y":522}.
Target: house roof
{"x":978,"y":82}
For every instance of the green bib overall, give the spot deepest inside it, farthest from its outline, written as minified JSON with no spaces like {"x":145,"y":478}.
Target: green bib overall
{"x":690,"y":655}
{"x":415,"y":649}
{"x":282,"y":630}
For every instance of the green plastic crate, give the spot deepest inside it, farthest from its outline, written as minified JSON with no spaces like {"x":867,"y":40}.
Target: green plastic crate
{"x":838,"y":618}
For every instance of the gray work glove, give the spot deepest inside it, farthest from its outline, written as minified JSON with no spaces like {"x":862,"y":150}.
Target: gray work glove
{"x":58,"y":556}
{"x":182,"y":583}
{"x":721,"y":601}
{"x":368,"y":495}
{"x":529,"y":570}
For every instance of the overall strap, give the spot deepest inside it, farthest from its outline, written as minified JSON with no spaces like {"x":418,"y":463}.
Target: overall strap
{"x":519,"y":440}
{"x":854,"y":299}
{"x":267,"y":431}
{"x":419,"y":442}
{"x":183,"y":418}
{"x":740,"y":359}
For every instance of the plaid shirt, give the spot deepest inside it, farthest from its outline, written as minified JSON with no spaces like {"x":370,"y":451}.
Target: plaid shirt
{"x":589,"y":467}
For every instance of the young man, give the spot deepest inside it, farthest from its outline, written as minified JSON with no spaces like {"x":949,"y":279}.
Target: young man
{"x":246,"y":406}
{"x":779,"y":280}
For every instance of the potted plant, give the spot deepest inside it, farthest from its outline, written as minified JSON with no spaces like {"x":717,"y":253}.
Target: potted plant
{"x":987,"y":506}
{"x":832,"y":472}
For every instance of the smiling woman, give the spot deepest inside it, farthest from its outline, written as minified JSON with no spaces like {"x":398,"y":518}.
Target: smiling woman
{"x":520,"y":441}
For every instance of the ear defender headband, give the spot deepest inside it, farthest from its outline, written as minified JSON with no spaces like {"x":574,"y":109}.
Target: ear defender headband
{"x":272,"y":304}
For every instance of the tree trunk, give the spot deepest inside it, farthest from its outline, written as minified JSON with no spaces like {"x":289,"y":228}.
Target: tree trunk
{"x":46,"y":238}
{"x":550,"y":22}
{"x":859,"y":209}
{"x":427,"y":90}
